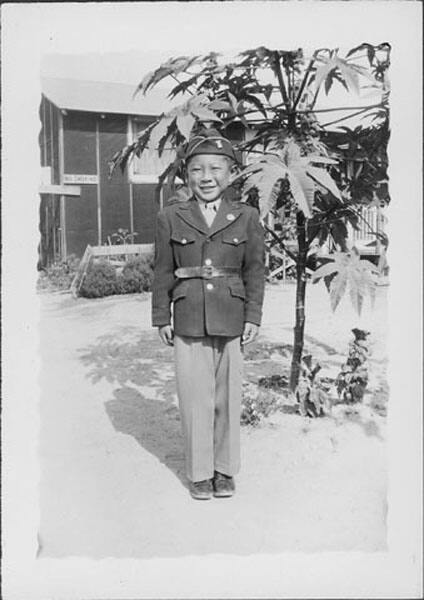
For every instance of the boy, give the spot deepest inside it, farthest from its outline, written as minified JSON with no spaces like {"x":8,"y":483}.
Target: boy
{"x":209,"y":263}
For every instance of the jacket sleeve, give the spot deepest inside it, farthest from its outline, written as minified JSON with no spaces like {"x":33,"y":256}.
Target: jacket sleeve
{"x":254,"y":270}
{"x":163,"y":276}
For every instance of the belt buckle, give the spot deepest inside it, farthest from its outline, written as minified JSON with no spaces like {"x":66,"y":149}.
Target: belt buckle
{"x":207,"y":272}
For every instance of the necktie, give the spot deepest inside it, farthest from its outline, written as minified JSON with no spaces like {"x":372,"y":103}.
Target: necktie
{"x":209,"y":212}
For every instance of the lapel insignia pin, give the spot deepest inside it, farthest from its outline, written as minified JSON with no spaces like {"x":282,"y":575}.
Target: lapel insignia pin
{"x":230,"y":217}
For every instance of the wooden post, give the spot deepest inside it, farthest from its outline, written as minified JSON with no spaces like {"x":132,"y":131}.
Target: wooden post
{"x":63,"y":248}
{"x":99,"y":197}
{"x":81,"y":272}
{"x":131,"y":199}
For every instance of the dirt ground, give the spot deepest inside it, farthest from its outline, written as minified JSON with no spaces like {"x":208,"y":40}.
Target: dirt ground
{"x":112,"y":473}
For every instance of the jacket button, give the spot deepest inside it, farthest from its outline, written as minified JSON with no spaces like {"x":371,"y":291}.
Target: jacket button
{"x":184,"y":241}
{"x":208,"y":262}
{"x":235,"y":240}
{"x":209,"y":286}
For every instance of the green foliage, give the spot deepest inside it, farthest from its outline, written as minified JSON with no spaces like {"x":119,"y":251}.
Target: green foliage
{"x":59,"y":275}
{"x":137,"y":275}
{"x":100,"y":280}
{"x":353,"y":377}
{"x":347,"y":270}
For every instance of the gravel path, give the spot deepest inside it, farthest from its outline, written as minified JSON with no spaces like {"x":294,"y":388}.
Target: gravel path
{"x":112,"y":480}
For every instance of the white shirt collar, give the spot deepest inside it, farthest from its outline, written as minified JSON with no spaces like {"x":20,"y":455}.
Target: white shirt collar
{"x":209,"y":205}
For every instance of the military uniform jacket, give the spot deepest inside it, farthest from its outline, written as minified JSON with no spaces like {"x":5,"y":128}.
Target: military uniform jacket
{"x":217,"y":306}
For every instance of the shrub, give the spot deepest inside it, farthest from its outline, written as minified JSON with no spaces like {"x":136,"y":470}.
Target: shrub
{"x":353,"y":378}
{"x":59,"y":275}
{"x":137,"y":275}
{"x":257,"y":404}
{"x":311,"y":393}
{"x":100,"y":280}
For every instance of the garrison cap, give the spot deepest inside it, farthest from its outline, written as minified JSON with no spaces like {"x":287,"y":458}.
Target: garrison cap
{"x":209,"y":141}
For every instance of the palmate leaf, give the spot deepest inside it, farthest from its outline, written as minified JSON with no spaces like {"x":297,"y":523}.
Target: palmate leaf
{"x":185,"y":123}
{"x":289,"y":163}
{"x":204,"y":114}
{"x":160,"y":130}
{"x":182,"y":119}
{"x":322,"y":177}
{"x":336,"y":68}
{"x":183,"y":86}
{"x":265,"y":176}
{"x":249,"y":98}
{"x":337,"y":288}
{"x":199,"y":107}
{"x":220,"y":105}
{"x":349,"y":74}
{"x":349,"y":271}
{"x":303,"y":189}
{"x":368,"y":47}
{"x":173,"y":66}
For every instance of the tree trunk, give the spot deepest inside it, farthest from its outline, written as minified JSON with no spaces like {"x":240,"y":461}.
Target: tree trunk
{"x":299,"y":327}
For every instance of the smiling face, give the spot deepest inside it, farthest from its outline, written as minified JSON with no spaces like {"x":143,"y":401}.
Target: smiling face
{"x":208,"y":175}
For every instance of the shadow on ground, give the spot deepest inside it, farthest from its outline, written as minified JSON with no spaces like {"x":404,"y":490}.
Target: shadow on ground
{"x":145,"y":402}
{"x":133,"y":414}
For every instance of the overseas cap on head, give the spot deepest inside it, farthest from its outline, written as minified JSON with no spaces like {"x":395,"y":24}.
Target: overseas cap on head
{"x":209,"y":141}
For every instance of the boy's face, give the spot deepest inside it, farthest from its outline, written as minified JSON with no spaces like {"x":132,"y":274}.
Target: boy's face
{"x":208,"y":175}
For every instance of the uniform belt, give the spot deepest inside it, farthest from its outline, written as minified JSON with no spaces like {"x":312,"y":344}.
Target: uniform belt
{"x":206,"y":272}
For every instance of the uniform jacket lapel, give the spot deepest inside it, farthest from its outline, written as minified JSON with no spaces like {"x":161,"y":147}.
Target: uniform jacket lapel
{"x":227,"y":214}
{"x":191,"y":214}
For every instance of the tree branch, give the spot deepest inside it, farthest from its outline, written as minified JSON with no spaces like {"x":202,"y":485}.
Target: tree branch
{"x":370,"y":229}
{"x":175,"y":78}
{"x":278,"y":72}
{"x":281,"y":243}
{"x":344,"y":118}
{"x":303,"y":84}
{"x":324,"y":110}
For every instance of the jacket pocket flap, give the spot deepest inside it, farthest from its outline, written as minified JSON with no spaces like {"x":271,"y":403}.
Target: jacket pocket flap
{"x":234,"y":238}
{"x":183,"y":238}
{"x":237,"y":289}
{"x":180,"y":291}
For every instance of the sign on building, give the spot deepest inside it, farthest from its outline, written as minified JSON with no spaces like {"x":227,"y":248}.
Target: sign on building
{"x":93,"y":179}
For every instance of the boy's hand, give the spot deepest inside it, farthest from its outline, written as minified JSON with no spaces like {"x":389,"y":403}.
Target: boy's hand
{"x":166,"y":334}
{"x":250,"y":332}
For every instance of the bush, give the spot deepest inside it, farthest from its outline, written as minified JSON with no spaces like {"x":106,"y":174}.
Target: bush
{"x":257,"y":404}
{"x":100,"y":280}
{"x":59,"y":275}
{"x":137,"y":275}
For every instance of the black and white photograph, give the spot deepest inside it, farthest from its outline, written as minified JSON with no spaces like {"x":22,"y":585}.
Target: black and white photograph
{"x":211,"y":286}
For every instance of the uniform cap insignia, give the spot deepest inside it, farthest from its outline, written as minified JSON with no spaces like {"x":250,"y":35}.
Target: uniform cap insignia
{"x":218,"y":144}
{"x":230,"y":217}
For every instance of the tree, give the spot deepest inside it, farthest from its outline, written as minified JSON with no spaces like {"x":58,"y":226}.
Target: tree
{"x":295,"y":164}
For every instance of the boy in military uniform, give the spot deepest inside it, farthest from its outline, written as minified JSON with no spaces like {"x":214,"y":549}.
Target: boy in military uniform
{"x":209,"y":265}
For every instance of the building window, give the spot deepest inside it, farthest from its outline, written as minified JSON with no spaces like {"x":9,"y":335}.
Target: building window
{"x":147,"y":167}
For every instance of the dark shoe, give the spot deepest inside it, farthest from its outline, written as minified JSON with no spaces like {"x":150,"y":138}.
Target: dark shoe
{"x":201,"y":490}
{"x":223,"y":485}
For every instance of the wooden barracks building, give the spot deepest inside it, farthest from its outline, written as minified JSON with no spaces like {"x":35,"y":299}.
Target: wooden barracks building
{"x":83,"y":123}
